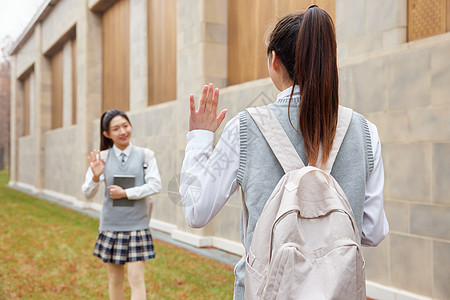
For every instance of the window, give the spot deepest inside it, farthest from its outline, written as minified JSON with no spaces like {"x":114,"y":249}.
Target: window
{"x":74,"y":81}
{"x":427,"y":18}
{"x":56,"y":64}
{"x":162,"y":51}
{"x":116,"y":57}
{"x":24,"y":106}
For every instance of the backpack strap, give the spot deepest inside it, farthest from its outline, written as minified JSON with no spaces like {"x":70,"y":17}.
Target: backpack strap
{"x":147,"y":157}
{"x":276,"y":137}
{"x":344,"y":118}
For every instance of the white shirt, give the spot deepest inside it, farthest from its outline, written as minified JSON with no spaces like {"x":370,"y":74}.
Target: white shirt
{"x":217,"y":169}
{"x":152,"y":179}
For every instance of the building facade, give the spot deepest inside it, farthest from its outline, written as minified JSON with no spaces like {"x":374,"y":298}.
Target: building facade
{"x":5,"y":100}
{"x":78,"y":58}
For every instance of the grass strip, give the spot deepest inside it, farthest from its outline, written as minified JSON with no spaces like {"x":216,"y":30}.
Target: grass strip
{"x":46,"y":253}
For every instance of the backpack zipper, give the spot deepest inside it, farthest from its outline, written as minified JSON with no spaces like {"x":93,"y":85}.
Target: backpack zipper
{"x":298,"y":213}
{"x":276,"y":223}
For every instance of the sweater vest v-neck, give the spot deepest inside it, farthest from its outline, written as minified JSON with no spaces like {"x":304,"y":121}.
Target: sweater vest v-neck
{"x":124,"y":218}
{"x":259,"y":170}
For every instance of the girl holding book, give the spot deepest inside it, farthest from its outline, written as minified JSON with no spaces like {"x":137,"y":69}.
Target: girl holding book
{"x":124,"y":234}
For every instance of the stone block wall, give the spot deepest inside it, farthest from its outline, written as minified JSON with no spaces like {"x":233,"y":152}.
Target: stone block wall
{"x":26,"y":57}
{"x":26,"y":160}
{"x":404,"y":94}
{"x":365,"y":26}
{"x":5,"y":112}
{"x":62,"y":171}
{"x":58,"y":23}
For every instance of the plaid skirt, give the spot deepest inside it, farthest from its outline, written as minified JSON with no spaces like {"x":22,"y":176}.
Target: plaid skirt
{"x":119,"y":247}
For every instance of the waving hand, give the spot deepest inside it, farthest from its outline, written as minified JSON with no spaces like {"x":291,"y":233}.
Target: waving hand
{"x":206,"y":116}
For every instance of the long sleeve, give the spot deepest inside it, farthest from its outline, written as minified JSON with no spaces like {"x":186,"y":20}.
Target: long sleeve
{"x":375,"y":226}
{"x":90,"y":187}
{"x":208,"y":177}
{"x":152,"y":180}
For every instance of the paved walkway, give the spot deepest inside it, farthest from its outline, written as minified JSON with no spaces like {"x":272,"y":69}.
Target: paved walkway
{"x":213,"y":253}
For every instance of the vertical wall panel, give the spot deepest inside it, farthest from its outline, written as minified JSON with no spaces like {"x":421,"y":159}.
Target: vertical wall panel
{"x":26,"y":105}
{"x":74,"y":81}
{"x":116,"y":57}
{"x":448,"y":15}
{"x":248,"y":24}
{"x":56,"y":63}
{"x":162,"y":51}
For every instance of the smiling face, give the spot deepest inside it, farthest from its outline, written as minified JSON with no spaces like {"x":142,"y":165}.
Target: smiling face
{"x":119,"y":132}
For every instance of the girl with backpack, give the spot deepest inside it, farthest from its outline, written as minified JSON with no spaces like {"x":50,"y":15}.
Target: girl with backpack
{"x":124,"y":234}
{"x":302,"y":64}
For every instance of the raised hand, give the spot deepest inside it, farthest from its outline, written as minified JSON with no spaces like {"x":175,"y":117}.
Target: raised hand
{"x":97,"y":164}
{"x":206,"y":116}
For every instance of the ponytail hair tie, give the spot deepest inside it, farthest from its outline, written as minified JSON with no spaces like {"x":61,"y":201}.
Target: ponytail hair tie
{"x":312,"y":6}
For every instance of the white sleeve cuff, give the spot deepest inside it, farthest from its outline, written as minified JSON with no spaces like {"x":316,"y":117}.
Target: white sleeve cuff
{"x":129,"y":193}
{"x":199,"y":139}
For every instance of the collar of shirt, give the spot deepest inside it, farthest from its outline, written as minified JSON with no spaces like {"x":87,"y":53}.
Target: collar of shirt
{"x":284,"y":95}
{"x":127,"y":151}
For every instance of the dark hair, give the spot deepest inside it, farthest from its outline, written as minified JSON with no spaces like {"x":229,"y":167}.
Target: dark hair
{"x":306,"y":45}
{"x":106,"y":143}
{"x":283,"y":40}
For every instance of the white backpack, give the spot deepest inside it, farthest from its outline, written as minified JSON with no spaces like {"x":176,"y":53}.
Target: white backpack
{"x":306,"y":243}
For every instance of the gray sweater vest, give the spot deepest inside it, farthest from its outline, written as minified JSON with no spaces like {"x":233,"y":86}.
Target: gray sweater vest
{"x":124,"y":218}
{"x":260,"y":171}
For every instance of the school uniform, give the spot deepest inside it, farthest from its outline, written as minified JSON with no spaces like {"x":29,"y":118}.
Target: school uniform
{"x":243,"y":157}
{"x":124,"y":234}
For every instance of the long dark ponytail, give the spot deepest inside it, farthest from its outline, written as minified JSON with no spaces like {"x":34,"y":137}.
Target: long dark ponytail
{"x":317,"y":75}
{"x":106,"y":143}
{"x":306,"y":45}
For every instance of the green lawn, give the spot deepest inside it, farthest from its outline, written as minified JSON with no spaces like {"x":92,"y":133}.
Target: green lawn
{"x":46,"y":253}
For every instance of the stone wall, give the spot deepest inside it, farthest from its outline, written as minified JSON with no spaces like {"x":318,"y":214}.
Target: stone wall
{"x":26,"y":160}
{"x":5,"y":112}
{"x":405,"y":92}
{"x":62,"y":173}
{"x":26,"y":57}
{"x":365,"y":26}
{"x":58,"y":23}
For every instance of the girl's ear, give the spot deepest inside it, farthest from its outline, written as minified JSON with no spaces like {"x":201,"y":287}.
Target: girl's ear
{"x":106,"y":135}
{"x":274,"y":61}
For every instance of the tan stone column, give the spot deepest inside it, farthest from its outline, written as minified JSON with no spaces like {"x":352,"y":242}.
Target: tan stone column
{"x":41,"y":122}
{"x":89,"y":73}
{"x":13,"y":124}
{"x":201,"y":45}
{"x":201,"y":58}
{"x":89,"y":82}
